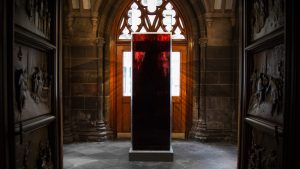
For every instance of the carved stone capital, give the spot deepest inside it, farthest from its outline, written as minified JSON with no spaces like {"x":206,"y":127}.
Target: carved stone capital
{"x":69,"y":24}
{"x":209,"y":22}
{"x":203,"y":42}
{"x":94,"y":23}
{"x":100,"y":41}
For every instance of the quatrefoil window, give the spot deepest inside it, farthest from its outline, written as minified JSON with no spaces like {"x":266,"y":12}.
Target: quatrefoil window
{"x":152,"y":16}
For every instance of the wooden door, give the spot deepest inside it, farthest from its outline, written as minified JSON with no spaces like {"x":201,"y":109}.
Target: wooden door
{"x":123,"y":93}
{"x":265,"y":79}
{"x":179,"y":97}
{"x":32,"y":84}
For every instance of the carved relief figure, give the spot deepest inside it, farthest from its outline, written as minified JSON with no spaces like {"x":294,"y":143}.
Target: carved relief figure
{"x":23,"y":88}
{"x":45,"y":157}
{"x":37,"y":84}
{"x":277,"y":10}
{"x":267,"y":92}
{"x":41,"y":85}
{"x":253,"y":80}
{"x":255,"y":157}
{"x":38,"y":12}
{"x":260,"y":156}
{"x":260,"y":14}
{"x":273,"y":90}
{"x":25,"y":156}
{"x":267,"y":16}
{"x":20,"y":81}
{"x":266,"y":97}
{"x":30,"y":8}
{"x":32,"y":84}
{"x":262,"y":84}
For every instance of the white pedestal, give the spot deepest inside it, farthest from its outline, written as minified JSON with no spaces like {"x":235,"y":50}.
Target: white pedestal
{"x":151,"y":155}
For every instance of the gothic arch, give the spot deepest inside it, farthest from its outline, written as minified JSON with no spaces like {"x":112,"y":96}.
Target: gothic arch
{"x":192,"y":13}
{"x":112,"y":9}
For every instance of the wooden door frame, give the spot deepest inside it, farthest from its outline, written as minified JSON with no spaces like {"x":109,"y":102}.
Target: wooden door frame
{"x":119,"y":103}
{"x":183,"y":90}
{"x":8,"y":131}
{"x":246,"y":123}
{"x":7,"y":149}
{"x":113,"y":85}
{"x":292,"y":134}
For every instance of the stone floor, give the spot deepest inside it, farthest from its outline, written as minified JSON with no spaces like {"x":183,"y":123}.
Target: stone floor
{"x":114,"y":155}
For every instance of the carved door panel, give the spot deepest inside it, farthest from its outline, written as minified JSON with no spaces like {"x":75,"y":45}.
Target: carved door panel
{"x":123,"y":92}
{"x":264,"y":76}
{"x":34,"y":95}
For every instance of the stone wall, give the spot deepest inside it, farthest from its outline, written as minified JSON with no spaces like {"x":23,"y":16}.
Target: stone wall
{"x":214,"y":73}
{"x":218,"y":81}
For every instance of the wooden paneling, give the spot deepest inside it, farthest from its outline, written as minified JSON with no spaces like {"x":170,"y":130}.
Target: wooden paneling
{"x":34,"y":93}
{"x":126,"y":115}
{"x":122,"y":117}
{"x":123,"y":103}
{"x":265,"y":79}
{"x":292,"y":146}
{"x":34,"y":148}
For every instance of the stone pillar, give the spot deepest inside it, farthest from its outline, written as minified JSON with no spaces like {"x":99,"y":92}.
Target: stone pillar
{"x":67,"y":116}
{"x":68,"y":135}
{"x":101,"y":125}
{"x":199,"y":128}
{"x":100,"y":43}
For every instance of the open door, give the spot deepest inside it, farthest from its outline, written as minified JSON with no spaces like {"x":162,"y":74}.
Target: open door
{"x":265,"y":77}
{"x":31,"y":84}
{"x":178,"y":91}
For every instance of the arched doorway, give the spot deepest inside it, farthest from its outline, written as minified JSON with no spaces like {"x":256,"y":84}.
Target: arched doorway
{"x":150,"y":16}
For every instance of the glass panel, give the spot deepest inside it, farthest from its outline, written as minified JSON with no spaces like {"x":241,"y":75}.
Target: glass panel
{"x":169,"y":17}
{"x":134,"y":15}
{"x":228,"y":4}
{"x":151,"y":4}
{"x":175,"y":74}
{"x":160,"y":30}
{"x":86,"y":4}
{"x":154,"y":2}
{"x":163,"y":20}
{"x":125,"y":34}
{"x":75,"y":4}
{"x":151,"y":18}
{"x":178,"y":34}
{"x":218,"y":4}
{"x":143,"y":30}
{"x":127,"y":78}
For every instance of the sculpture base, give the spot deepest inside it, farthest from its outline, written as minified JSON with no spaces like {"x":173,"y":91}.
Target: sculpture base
{"x":151,"y":155}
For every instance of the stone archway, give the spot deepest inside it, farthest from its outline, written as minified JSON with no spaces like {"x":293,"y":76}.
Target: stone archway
{"x":108,"y":32}
{"x":213,"y":90}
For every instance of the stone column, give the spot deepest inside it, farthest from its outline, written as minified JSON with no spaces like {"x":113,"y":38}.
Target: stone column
{"x":199,"y":128}
{"x":101,"y":124}
{"x":202,"y":89}
{"x":100,"y":43}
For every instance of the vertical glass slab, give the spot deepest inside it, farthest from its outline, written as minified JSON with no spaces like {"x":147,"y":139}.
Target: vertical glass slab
{"x":151,"y":94}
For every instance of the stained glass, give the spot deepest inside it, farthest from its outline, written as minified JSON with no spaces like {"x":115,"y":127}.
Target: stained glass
{"x":152,"y":16}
